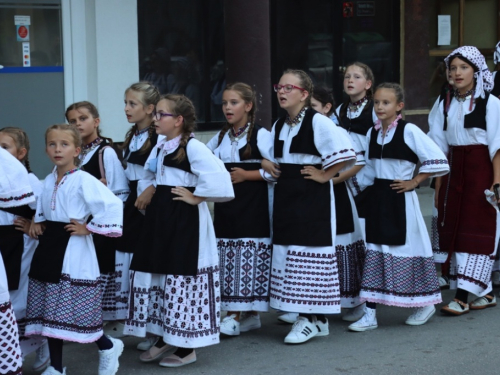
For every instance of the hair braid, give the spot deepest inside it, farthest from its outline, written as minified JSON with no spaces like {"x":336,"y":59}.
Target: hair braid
{"x":248,"y":149}
{"x":21,"y":140}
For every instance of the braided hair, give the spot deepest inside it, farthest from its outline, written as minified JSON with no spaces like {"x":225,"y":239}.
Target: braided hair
{"x":73,"y":131}
{"x":92,"y":111}
{"x":369,"y":76}
{"x":148,"y":94}
{"x":181,"y":105}
{"x":305,"y":82}
{"x":248,"y":95}
{"x":21,"y":140}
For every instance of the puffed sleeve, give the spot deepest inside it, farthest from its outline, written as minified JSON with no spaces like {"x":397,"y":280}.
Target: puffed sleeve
{"x":429,"y":154}
{"x":214,"y":142}
{"x":492,"y":125}
{"x":37,"y":187}
{"x":265,"y":143}
{"x":332,"y":142}
{"x":116,"y":180}
{"x":214,"y":181}
{"x":106,"y":209}
{"x":359,"y":144}
{"x":15,"y":189}
{"x":436,"y":123}
{"x":48,"y":185}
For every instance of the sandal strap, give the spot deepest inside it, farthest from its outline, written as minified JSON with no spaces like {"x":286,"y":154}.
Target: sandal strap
{"x":463,"y":304}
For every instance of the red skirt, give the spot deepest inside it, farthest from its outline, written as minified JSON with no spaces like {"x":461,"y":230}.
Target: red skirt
{"x":466,"y":221}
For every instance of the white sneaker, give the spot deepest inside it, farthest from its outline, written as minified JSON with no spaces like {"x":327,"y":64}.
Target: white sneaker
{"x":444,"y":282}
{"x":108,"y":359}
{"x":250,"y":322}
{"x":42,"y":360}
{"x":323,"y":328}
{"x":367,"y":322}
{"x":230,"y":326}
{"x":353,"y":315}
{"x":421,"y":315}
{"x":481,"y":303}
{"x":52,"y":371}
{"x":302,"y":330}
{"x":114,"y":329}
{"x":289,"y":318}
{"x":495,"y":278}
{"x":148,"y":343}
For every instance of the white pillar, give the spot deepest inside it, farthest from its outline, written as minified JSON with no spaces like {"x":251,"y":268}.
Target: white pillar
{"x":101,"y":57}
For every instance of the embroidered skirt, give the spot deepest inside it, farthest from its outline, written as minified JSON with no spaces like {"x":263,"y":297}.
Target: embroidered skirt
{"x":116,"y":288}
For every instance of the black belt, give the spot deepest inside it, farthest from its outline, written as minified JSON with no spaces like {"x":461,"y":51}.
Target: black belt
{"x":170,"y":236}
{"x":246,"y":216}
{"x":386,"y":215}
{"x":343,"y":209}
{"x":302,"y":212}
{"x":49,"y":255}
{"x":133,"y":221}
{"x":23,"y":211}
{"x":11,"y":248}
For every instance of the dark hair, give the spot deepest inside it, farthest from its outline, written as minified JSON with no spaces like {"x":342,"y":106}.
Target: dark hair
{"x":305,"y":82}
{"x":21,"y":140}
{"x":149,"y":95}
{"x":93,"y":112}
{"x":324,"y":95}
{"x":182,"y":106}
{"x":464,"y":59}
{"x":396,"y":87}
{"x":248,"y":95}
{"x":75,"y":134}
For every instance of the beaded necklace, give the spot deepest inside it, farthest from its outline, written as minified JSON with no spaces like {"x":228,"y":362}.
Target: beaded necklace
{"x":353,"y":107}
{"x":463,"y":97}
{"x":297,"y":119}
{"x":236,"y":136}
{"x":89,"y":147}
{"x":58,"y":185}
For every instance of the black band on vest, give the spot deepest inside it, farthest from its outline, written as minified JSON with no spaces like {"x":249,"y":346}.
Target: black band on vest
{"x":169,"y":160}
{"x":136,"y":157}
{"x":92,"y":166}
{"x":362,"y":123}
{"x":133,"y":220}
{"x":303,"y":142}
{"x":23,"y":211}
{"x":11,"y":249}
{"x":395,"y":149}
{"x":255,"y":153}
{"x":496,"y":87}
{"x":475,"y":119}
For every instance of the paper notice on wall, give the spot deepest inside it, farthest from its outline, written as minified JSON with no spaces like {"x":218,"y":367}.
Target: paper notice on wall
{"x":26,"y":54}
{"x":444,"y":30}
{"x":22,"y":20}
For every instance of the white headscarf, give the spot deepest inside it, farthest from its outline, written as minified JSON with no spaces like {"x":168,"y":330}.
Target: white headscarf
{"x":483,"y":76}
{"x":496,"y":54}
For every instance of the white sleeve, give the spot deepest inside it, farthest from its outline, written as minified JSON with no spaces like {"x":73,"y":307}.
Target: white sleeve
{"x":39,"y":214}
{"x":115,"y":175}
{"x":265,"y":143}
{"x":214,"y":181}
{"x":15,"y":189}
{"x":492,"y":125}
{"x":37,"y":187}
{"x":429,"y":154}
{"x":214,"y":142}
{"x":106,"y":209}
{"x":436,"y":123}
{"x":149,"y":178}
{"x":332,"y":142}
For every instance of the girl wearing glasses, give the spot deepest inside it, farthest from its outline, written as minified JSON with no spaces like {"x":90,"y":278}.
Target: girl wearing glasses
{"x":242,"y":226}
{"x":308,"y":152}
{"x":175,"y":280}
{"x":100,"y":160}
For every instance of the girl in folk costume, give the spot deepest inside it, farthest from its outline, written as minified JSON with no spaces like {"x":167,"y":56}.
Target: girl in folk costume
{"x":466,"y":128}
{"x":15,"y":237}
{"x":309,"y":151}
{"x":15,"y":192}
{"x":357,"y":117}
{"x":399,"y":267}
{"x":140,"y":101}
{"x":243,"y":240}
{"x":350,"y":242}
{"x":64,"y":292}
{"x":175,"y":280}
{"x":100,"y":160}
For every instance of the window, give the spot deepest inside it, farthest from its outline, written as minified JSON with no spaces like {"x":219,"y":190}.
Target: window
{"x":181,"y":51}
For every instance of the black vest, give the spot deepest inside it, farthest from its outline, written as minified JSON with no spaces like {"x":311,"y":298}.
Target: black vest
{"x":395,"y":149}
{"x":168,"y":160}
{"x":496,"y":87}
{"x":362,"y":123}
{"x":475,"y":119}
{"x":303,"y":142}
{"x":136,"y":157}
{"x":92,"y":166}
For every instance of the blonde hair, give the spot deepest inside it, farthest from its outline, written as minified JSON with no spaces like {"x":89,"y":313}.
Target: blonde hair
{"x":305,"y":82}
{"x":248,"y":95}
{"x":72,"y":130}
{"x":149,"y":95}
{"x":182,"y":106}
{"x":21,"y":140}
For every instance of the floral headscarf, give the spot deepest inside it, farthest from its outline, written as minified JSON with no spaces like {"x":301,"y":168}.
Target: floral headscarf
{"x":483,"y":76}
{"x":496,"y":54}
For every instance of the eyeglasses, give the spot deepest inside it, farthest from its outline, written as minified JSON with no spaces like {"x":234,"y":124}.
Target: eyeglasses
{"x":157,"y":116}
{"x":287,"y":88}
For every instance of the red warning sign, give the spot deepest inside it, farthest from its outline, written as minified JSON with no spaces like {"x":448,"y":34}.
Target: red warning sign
{"x":22,"y":32}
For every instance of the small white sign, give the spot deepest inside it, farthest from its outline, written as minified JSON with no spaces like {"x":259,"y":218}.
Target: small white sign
{"x":444,"y":30}
{"x":22,"y":20}
{"x":26,"y":54}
